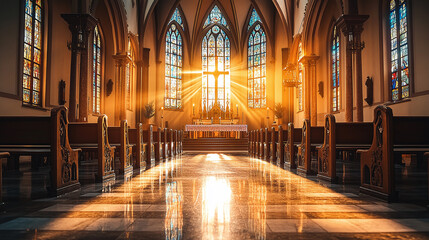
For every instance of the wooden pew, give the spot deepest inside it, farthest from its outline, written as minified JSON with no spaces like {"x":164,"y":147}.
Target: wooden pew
{"x":136,"y":138}
{"x":340,"y":137}
{"x":261,"y":143}
{"x":181,"y":136}
{"x":175,"y":142}
{"x":170,"y":142}
{"x":250,"y":142}
{"x":164,"y":142}
{"x":43,"y":137}
{"x":148,"y":138}
{"x":258,"y":136}
{"x":93,"y":139}
{"x":280,"y":146}
{"x":392,"y":135}
{"x":253,"y":150}
{"x":311,"y":138}
{"x":273,"y":146}
{"x":267,"y":144}
{"x":2,"y":155}
{"x":294,"y":137}
{"x":159,"y":157}
{"x":119,"y":138}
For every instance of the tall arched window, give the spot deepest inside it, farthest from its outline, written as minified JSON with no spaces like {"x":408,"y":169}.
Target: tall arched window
{"x":174,"y":63}
{"x":129,"y":75}
{"x":216,"y":63}
{"x":256,"y":63}
{"x":96,"y":71}
{"x":33,"y":53}
{"x":300,"y":69}
{"x":400,"y":80}
{"x":335,"y":70}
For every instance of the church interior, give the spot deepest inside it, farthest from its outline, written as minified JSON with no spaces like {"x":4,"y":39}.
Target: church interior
{"x":214,"y":119}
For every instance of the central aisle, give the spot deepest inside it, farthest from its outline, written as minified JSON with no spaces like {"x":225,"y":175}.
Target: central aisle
{"x":216,"y":196}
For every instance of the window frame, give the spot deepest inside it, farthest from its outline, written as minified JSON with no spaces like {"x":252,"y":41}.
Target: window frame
{"x":42,"y":62}
{"x":180,"y":32}
{"x":100,"y":33}
{"x":331,"y":38}
{"x":264,"y":92}
{"x":409,"y":34}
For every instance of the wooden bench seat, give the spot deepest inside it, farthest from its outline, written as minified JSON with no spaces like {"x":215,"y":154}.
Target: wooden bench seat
{"x":119,"y":138}
{"x":93,"y":139}
{"x":312,"y":137}
{"x":392,"y":136}
{"x":294,"y":138}
{"x":43,"y":137}
{"x":340,"y":137}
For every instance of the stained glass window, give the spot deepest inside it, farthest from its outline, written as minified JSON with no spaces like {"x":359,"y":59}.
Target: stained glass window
{"x":96,"y":72}
{"x":216,"y":17}
{"x":253,"y":19}
{"x":399,"y":50}
{"x":300,"y":69}
{"x":173,"y":67}
{"x":335,"y":70}
{"x":256,"y":65}
{"x":33,"y":53}
{"x":216,"y":64}
{"x":178,"y":18}
{"x":129,"y":76}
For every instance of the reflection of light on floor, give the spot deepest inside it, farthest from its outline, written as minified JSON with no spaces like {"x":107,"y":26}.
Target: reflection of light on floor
{"x":214,"y":157}
{"x":216,"y":199}
{"x":174,"y":212}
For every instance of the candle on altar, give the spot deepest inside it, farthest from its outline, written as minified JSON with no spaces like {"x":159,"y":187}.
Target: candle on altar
{"x":193,"y":109}
{"x":267,"y":111}
{"x":236,"y":106}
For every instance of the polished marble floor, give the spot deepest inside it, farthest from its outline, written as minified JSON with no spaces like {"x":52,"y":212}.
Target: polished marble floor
{"x":214,"y":196}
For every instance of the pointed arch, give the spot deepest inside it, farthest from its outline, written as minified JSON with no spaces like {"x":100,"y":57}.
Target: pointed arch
{"x":335,"y":68}
{"x":34,"y":45}
{"x":254,"y":9}
{"x":97,"y":69}
{"x":230,"y":30}
{"x":256,"y":62}
{"x":174,"y":61}
{"x":184,"y":31}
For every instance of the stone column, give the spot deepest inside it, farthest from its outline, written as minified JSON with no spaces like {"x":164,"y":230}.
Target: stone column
{"x":121,"y":61}
{"x":351,"y":26}
{"x":145,"y":80}
{"x":313,"y":79}
{"x":139,"y":92}
{"x":306,"y":91}
{"x":358,"y":51}
{"x":310,"y":89}
{"x":80,"y":26}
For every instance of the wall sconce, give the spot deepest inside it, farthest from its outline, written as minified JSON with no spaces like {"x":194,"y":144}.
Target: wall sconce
{"x":321,"y":89}
{"x":109,"y":87}
{"x":369,"y":91}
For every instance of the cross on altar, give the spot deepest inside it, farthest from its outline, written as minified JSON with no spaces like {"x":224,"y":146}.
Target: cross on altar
{"x":216,"y":73}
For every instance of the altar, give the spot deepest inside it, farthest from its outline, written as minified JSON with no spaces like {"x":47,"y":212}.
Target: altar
{"x":216,"y":131}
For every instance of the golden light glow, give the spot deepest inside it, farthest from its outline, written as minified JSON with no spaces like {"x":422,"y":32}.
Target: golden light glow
{"x":216,"y":203}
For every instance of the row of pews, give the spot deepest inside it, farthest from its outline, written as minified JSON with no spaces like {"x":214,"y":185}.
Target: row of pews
{"x":378,"y":146}
{"x":85,"y":152}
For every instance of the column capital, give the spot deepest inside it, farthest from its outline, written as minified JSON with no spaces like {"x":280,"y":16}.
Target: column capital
{"x":80,"y":26}
{"x":309,"y":59}
{"x":121,"y":59}
{"x":351,"y":23}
